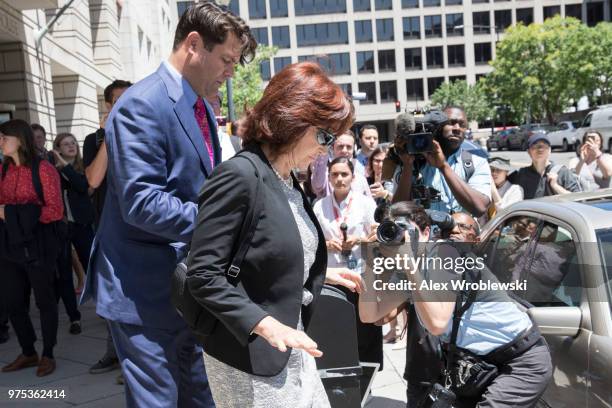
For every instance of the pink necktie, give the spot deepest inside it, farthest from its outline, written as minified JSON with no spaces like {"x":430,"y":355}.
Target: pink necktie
{"x":200,"y":115}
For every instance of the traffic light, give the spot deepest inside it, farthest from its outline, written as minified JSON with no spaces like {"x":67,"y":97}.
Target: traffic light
{"x":398,"y":106}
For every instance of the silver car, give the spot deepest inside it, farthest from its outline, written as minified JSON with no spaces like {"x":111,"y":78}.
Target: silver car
{"x":563,"y":243}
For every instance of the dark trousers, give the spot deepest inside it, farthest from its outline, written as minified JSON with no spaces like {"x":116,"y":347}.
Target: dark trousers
{"x":18,"y":281}
{"x":81,"y":237}
{"x":3,"y":315}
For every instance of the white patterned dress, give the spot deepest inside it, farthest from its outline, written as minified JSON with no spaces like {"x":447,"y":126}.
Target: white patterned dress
{"x":299,"y":384}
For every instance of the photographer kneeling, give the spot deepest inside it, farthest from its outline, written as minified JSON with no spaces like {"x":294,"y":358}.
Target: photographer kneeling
{"x":494,"y":355}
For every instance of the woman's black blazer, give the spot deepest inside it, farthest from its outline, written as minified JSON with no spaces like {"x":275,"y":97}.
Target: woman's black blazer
{"x":76,"y":185}
{"x":271,"y":276}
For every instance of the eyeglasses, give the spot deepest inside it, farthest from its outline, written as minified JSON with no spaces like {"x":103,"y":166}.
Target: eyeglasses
{"x":325,"y":138}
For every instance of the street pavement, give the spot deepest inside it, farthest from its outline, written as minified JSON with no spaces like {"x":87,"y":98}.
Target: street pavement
{"x":76,"y":353}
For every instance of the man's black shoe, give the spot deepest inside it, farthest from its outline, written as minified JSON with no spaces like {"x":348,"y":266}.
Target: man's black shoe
{"x":75,"y":327}
{"x":105,"y":365}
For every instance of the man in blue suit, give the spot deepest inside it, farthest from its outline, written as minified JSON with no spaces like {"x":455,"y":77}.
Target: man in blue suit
{"x":162,"y":145}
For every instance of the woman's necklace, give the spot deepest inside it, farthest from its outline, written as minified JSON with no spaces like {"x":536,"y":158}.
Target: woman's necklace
{"x":287,"y":181}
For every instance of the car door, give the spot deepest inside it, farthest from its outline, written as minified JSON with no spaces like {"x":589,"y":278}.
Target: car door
{"x":543,"y":252}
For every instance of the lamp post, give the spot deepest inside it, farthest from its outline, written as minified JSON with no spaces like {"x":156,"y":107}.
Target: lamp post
{"x":231,"y":112}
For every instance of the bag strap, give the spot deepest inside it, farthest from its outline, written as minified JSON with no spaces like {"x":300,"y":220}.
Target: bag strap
{"x":458,"y":312}
{"x":36,"y":180}
{"x":248,"y":230}
{"x":468,"y":164}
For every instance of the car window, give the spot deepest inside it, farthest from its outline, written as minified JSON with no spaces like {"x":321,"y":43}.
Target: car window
{"x":562,"y":126}
{"x":587,"y":120}
{"x":506,"y":247}
{"x":553,"y":271}
{"x":604,"y":239}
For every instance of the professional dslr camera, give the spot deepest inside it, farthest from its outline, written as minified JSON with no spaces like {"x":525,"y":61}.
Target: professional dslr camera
{"x":392,"y":231}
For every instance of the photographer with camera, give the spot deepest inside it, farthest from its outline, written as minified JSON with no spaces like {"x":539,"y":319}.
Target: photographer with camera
{"x":493,"y":356}
{"x":459,"y":179}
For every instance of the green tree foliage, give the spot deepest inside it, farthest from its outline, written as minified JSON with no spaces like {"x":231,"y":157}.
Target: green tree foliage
{"x":472,"y":98}
{"x":247,"y":83}
{"x":601,"y":57}
{"x":542,"y":68}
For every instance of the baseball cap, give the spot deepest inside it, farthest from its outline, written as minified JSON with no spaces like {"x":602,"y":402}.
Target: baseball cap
{"x":537,"y":137}
{"x":500,"y":163}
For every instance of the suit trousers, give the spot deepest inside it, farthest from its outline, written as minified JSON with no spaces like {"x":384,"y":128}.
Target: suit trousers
{"x":161,"y":368}
{"x":18,"y":282}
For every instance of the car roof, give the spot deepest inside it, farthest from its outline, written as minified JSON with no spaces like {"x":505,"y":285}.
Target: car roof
{"x":591,"y":209}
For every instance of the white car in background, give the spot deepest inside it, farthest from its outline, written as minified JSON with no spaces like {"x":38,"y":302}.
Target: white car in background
{"x":565,"y":135}
{"x":601,"y":120}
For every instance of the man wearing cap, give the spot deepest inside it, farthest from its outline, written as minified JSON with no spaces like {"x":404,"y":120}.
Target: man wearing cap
{"x":503,"y":193}
{"x":543,"y":178}
{"x":462,"y":178}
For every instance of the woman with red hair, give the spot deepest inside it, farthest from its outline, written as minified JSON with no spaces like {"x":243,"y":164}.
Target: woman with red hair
{"x":256,"y":351}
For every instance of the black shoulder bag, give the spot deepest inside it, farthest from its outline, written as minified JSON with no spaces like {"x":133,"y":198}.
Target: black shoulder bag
{"x":198,"y":318}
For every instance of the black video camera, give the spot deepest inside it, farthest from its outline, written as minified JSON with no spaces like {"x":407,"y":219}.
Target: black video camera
{"x":419,"y":138}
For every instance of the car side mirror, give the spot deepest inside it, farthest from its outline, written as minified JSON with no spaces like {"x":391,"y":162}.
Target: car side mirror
{"x":557,"y":321}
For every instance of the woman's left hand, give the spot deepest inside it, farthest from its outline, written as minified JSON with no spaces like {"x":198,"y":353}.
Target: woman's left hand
{"x":350,"y":242}
{"x":345,"y":277}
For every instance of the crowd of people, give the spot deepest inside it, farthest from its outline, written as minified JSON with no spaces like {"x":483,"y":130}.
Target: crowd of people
{"x":160,"y":182}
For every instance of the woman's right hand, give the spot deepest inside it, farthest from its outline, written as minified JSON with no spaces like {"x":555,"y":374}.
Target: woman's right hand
{"x":281,"y":336}
{"x":333,"y":245}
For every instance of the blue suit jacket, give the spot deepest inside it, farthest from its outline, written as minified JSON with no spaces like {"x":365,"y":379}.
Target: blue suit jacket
{"x":158,"y":163}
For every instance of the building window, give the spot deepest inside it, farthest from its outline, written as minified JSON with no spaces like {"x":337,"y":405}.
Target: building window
{"x":309,"y":7}
{"x":386,"y":61}
{"x":435,"y":58}
{"x":573,"y":10}
{"x":413,"y":59}
{"x":479,"y":1}
{"x":551,"y":11}
{"x":482,"y":53}
{"x":452,"y":21}
{"x":410,"y":4}
{"x":383,"y":4}
{"x":595,"y":13}
{"x":280,"y":37}
{"x":414,"y":89}
{"x":433,"y":26}
{"x":278,"y":8}
{"x":322,"y":34}
{"x":412,"y":28}
{"x":261,"y":35}
{"x":384,"y":29}
{"x":433,"y":84}
{"x":456,"y":78}
{"x":334,"y":64}
{"x":453,"y":2}
{"x":482,"y":22}
{"x":431,"y":3}
{"x":264,"y":69}
{"x":280,"y":63}
{"x":388,"y":91}
{"x":257,"y":9}
{"x":503,"y":19}
{"x":361,"y":5}
{"x":370,"y":90}
{"x":524,"y":15}
{"x":456,"y":55}
{"x":234,"y":7}
{"x":365,"y":62}
{"x":347,"y":89}
{"x":182,"y":7}
{"x":363,"y":31}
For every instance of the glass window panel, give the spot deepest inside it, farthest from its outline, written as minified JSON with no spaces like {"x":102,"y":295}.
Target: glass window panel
{"x":370,"y":90}
{"x":551,"y":11}
{"x":388,"y":91}
{"x":482,"y":22}
{"x":452,"y":21}
{"x":257,"y":9}
{"x":412,"y":28}
{"x":524,"y":15}
{"x":363,"y":31}
{"x":503,"y":19}
{"x":310,"y":7}
{"x":386,"y":61}
{"x":410,"y":4}
{"x":435,"y":58}
{"x":573,"y":10}
{"x":456,"y":78}
{"x":322,"y":34}
{"x":456,"y":55}
{"x":595,"y":13}
{"x":261,"y":35}
{"x":361,"y":5}
{"x":347,"y":89}
{"x":234,"y":7}
{"x":280,"y":63}
{"x":264,"y":69}
{"x":365,"y":62}
{"x":280,"y":37}
{"x":431,"y":3}
{"x":384,"y":29}
{"x":433,"y":26}
{"x":482,"y":53}
{"x":453,"y":2}
{"x":433,"y":84}
{"x":414,"y":89}
{"x":383,"y":4}
{"x":413,"y":59}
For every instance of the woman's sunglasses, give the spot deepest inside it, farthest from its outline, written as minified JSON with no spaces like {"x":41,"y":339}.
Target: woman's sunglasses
{"x":325,"y":138}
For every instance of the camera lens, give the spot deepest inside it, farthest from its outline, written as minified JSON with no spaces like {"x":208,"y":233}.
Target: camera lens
{"x":389,"y":232}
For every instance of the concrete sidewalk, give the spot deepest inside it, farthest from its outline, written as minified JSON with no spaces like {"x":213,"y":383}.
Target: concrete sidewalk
{"x":76,"y":353}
